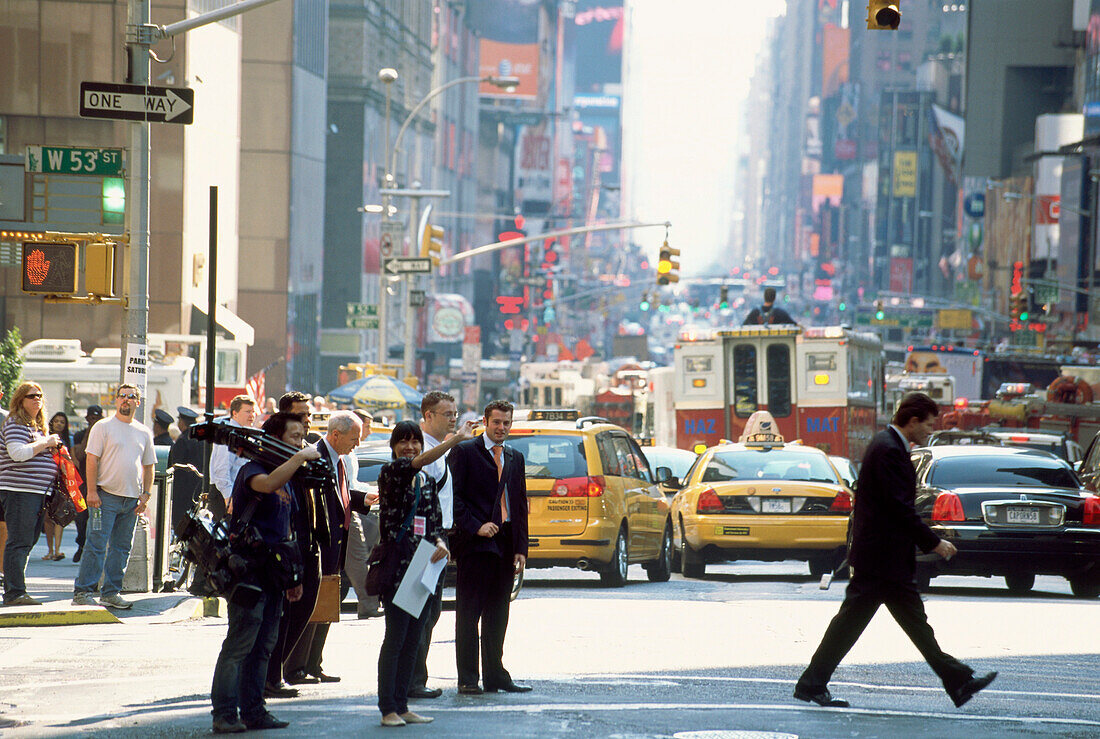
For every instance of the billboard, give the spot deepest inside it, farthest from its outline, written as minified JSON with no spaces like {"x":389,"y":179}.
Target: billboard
{"x":502,"y":59}
{"x":533,"y":185}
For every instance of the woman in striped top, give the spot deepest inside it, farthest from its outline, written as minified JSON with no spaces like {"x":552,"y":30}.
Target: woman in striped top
{"x":27,"y":469}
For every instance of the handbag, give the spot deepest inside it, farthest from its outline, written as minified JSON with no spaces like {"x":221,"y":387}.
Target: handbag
{"x":59,"y":506}
{"x":385,"y":559}
{"x":327,"y":608}
{"x":70,"y":477}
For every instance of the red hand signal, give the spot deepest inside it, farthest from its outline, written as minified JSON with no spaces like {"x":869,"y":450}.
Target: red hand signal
{"x":37,"y":267}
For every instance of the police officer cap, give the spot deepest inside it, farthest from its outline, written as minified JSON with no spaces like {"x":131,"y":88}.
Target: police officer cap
{"x":163,"y":417}
{"x":186,"y":412}
{"x":94,"y":410}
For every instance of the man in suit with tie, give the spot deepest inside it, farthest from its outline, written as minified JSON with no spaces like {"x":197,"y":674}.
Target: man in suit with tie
{"x":885,"y":531}
{"x":303,"y":664}
{"x":490,"y":507}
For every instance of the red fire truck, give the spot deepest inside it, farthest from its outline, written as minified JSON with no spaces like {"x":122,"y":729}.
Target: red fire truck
{"x":823,"y":385}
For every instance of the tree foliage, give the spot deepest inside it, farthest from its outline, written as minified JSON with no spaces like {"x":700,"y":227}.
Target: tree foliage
{"x":11,"y":363}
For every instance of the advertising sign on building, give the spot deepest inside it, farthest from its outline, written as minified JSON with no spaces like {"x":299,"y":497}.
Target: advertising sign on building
{"x":905,"y":174}
{"x":534,"y":168}
{"x":901,"y":274}
{"x":500,"y":59}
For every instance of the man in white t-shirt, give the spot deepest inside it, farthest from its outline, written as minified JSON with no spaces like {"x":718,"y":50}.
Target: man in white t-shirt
{"x":119,"y":472}
{"x":438,"y":415}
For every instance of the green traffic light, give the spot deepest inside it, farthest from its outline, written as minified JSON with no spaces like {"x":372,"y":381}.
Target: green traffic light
{"x":645,"y":305}
{"x":880,"y":315}
{"x":1024,"y":316}
{"x":723,"y":305}
{"x":114,"y":200}
{"x":843,"y":306}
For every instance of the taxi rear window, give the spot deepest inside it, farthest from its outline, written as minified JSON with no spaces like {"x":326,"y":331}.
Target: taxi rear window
{"x":775,"y":464}
{"x":551,"y":457}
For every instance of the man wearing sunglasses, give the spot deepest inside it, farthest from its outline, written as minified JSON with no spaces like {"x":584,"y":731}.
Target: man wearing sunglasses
{"x":119,"y":465}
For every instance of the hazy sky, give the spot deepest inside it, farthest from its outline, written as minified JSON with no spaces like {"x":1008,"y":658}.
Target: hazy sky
{"x":688,"y":66}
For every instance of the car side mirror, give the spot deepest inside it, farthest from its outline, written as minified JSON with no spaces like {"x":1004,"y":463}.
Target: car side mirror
{"x":664,"y":475}
{"x":1078,"y":465}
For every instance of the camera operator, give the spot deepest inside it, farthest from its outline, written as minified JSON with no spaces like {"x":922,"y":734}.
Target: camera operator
{"x":263,"y":501}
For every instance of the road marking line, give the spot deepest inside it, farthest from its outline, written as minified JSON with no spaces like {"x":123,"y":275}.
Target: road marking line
{"x":552,"y":707}
{"x":658,"y":679}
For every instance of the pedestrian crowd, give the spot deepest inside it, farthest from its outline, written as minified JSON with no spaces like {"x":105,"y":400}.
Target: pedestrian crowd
{"x":461,"y":495}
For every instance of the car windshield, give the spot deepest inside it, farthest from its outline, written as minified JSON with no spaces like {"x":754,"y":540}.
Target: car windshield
{"x":370,"y":467}
{"x":678,"y":461}
{"x":973,"y":470}
{"x":773,"y":464}
{"x":551,"y":457}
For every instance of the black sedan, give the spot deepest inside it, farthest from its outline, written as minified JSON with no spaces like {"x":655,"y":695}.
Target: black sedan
{"x":1012,"y":513}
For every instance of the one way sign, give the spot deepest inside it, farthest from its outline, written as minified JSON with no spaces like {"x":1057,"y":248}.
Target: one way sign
{"x":137,"y":102}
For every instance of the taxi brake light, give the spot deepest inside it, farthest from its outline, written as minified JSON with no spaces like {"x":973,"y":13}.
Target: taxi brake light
{"x":948,"y":507}
{"x":578,"y":487}
{"x":709,"y":502}
{"x":1092,"y":511}
{"x":962,"y":403}
{"x":1020,"y":439}
{"x":842,"y":503}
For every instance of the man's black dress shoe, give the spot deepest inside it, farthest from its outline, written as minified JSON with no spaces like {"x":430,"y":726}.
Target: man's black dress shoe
{"x":424,"y":692}
{"x":823,"y":698}
{"x":508,"y":688}
{"x":299,"y":677}
{"x":280,"y":691}
{"x":322,"y":677}
{"x":967,"y":690}
{"x":79,"y":554}
{"x":267,"y":721}
{"x":469,"y":690}
{"x":229,"y":726}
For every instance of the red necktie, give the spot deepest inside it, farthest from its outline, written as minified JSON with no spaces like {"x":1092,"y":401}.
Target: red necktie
{"x":498,"y":450}
{"x":343,"y":484}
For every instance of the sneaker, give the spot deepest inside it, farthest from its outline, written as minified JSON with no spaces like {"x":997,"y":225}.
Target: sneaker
{"x":84,"y":599}
{"x":114,"y":600}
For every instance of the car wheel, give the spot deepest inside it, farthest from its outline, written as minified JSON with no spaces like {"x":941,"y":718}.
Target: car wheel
{"x":660,"y":569}
{"x":1085,"y":586}
{"x":691,"y":563}
{"x":1020,"y":583}
{"x":614,"y":576}
{"x":821,"y":564}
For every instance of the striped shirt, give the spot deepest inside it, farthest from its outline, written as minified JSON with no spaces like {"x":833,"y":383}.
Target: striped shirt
{"x":19,"y":470}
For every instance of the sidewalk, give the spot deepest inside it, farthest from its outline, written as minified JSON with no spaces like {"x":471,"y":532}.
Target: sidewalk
{"x":52,"y":583}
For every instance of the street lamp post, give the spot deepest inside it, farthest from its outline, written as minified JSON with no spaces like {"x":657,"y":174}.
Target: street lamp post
{"x":509,"y":83}
{"x":388,"y":77}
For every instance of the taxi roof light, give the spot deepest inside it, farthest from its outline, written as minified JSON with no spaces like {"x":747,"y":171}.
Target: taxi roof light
{"x":699,"y":448}
{"x":554,"y":414}
{"x":761,"y":429}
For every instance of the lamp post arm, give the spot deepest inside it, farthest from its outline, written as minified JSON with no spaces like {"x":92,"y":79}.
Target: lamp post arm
{"x":497,"y":245}
{"x":419,"y":106}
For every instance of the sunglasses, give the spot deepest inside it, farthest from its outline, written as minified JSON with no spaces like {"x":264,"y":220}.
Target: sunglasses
{"x":129,"y":396}
{"x":33,"y":396}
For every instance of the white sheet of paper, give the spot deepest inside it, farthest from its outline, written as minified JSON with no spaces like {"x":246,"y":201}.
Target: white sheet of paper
{"x":411,"y":593}
{"x":432,"y":572}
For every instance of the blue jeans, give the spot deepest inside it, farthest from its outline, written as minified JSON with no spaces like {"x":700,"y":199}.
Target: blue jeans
{"x":23,"y":514}
{"x":107,"y":551}
{"x":242,"y":664}
{"x":397,"y":657}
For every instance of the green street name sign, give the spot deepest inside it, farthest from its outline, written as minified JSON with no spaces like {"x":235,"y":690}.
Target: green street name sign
{"x":896,"y":320}
{"x":361,"y":322}
{"x":362,"y":309}
{"x":73,"y":160}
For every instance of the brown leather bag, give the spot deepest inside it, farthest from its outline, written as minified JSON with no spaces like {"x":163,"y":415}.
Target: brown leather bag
{"x":327,"y":608}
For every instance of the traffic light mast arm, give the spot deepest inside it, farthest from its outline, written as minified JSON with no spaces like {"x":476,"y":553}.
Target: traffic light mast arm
{"x":497,"y":245}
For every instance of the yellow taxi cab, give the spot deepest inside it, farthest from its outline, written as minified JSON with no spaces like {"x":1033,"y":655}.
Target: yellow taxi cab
{"x":594,"y":501}
{"x":761,"y":499}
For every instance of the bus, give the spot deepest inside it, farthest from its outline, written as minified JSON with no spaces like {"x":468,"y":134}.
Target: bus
{"x":823,"y":385}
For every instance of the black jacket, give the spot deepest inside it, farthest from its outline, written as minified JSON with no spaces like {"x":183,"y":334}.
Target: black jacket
{"x":886,"y":527}
{"x":476,"y":500}
{"x":768,"y":317}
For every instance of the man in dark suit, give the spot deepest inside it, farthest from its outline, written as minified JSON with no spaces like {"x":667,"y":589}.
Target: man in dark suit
{"x":342,"y":500}
{"x":885,"y":530}
{"x":490,"y":508}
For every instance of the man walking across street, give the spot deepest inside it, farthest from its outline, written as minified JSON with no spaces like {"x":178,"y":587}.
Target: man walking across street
{"x":885,"y":530}
{"x":224,"y":464}
{"x":119,"y":463}
{"x":438,"y":415}
{"x":490,"y":507}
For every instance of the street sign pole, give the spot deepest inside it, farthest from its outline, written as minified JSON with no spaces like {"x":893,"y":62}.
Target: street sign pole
{"x":138,"y":43}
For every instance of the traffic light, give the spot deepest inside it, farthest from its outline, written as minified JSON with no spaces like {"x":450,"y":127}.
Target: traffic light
{"x":883,"y":15}
{"x":114,"y":200}
{"x":842,"y":307}
{"x":880,"y":311}
{"x":431,"y":243}
{"x":1018,"y":306}
{"x":667,"y":269}
{"x":644,"y":305}
{"x":99,"y":269}
{"x":49,"y":268}
{"x":723,"y":297}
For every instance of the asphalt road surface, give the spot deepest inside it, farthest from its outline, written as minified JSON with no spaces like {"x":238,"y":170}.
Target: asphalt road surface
{"x":710,"y":658}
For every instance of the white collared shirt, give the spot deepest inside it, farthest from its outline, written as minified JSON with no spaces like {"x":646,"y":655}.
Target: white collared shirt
{"x":224,"y":466}
{"x":351,"y":466}
{"x":436,"y":470}
{"x":904,"y":441}
{"x":489,"y":444}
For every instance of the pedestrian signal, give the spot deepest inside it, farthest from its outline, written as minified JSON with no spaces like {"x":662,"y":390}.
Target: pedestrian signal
{"x":49,"y":268}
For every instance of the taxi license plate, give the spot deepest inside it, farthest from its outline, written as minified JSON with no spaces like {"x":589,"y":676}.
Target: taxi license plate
{"x":775,"y":505}
{"x":1022,"y":515}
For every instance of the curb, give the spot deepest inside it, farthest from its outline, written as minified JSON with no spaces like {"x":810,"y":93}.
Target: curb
{"x":34,"y":616}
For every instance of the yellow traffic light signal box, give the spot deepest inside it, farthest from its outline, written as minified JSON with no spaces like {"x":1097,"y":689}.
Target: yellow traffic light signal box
{"x":883,"y":15}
